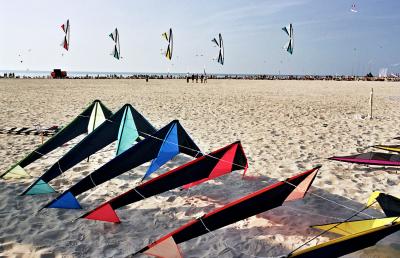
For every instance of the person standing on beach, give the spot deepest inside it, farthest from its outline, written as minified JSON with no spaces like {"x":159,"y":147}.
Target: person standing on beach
{"x":193,"y":78}
{"x":201,"y":78}
{"x":197,"y":78}
{"x":187,"y":78}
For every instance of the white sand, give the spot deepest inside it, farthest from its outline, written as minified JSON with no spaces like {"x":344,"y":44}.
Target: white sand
{"x":280,"y":124}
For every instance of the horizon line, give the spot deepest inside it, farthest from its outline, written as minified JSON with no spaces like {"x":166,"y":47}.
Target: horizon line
{"x":171,"y":73}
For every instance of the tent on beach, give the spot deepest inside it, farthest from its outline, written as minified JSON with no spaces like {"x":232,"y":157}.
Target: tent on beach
{"x":159,"y":148}
{"x":195,"y":172}
{"x":370,"y":158}
{"x":268,"y":198}
{"x":125,"y":127}
{"x":86,"y":122}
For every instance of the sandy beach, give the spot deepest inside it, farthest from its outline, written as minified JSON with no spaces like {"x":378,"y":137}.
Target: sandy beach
{"x":285,"y":127}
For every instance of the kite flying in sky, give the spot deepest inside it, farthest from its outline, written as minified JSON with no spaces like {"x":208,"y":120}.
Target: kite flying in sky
{"x":66,"y":28}
{"x":169,"y":38}
{"x":353,"y":8}
{"x":289,"y":31}
{"x":220,"y":43}
{"x":116,"y":52}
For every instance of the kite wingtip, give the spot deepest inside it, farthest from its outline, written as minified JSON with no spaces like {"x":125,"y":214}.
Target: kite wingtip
{"x":26,"y":190}
{"x":138,"y":252}
{"x":318,"y":166}
{"x":3,"y":174}
{"x":127,"y":105}
{"x":44,"y":207}
{"x":104,"y":213}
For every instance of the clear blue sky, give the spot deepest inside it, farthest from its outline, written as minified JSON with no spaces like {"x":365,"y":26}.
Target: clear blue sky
{"x":329,"y":39}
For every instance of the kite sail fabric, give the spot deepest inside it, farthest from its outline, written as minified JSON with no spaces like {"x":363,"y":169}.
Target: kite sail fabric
{"x":170,"y":39}
{"x":371,"y":158}
{"x":394,"y":148}
{"x":263,"y":200}
{"x":220,"y":44}
{"x":202,"y":169}
{"x":138,"y":154}
{"x":389,"y":204}
{"x":168,"y":150}
{"x":372,"y":198}
{"x":166,"y":248}
{"x":116,"y":52}
{"x":96,"y":118}
{"x":348,"y":243}
{"x":128,"y":132}
{"x":356,"y":226}
{"x":77,"y":127}
{"x":289,"y":31}
{"x":66,"y":28}
{"x":125,"y":125}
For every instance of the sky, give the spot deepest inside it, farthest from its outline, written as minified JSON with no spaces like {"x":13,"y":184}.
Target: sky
{"x":328,"y":37}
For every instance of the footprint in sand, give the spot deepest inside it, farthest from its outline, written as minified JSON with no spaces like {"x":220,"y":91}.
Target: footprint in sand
{"x":80,"y":168}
